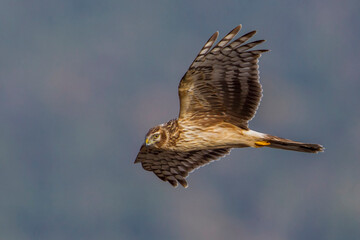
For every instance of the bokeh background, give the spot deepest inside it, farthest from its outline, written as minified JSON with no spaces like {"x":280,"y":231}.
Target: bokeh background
{"x":81,"y":82}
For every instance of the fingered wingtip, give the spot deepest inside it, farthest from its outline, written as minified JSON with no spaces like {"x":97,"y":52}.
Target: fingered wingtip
{"x":215,"y":35}
{"x":174,"y":183}
{"x":184,"y":184}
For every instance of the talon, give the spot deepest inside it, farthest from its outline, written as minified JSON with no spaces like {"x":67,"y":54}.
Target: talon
{"x":261,"y":144}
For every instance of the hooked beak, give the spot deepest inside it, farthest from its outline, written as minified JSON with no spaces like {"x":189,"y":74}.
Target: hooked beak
{"x":147,"y":142}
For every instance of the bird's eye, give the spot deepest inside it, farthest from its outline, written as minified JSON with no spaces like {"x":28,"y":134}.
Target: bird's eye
{"x":156,"y":136}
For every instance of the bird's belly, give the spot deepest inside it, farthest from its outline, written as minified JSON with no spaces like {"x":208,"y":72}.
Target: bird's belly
{"x":220,"y":136}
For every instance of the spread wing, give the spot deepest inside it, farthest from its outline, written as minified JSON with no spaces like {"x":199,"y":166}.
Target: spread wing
{"x":173,"y":166}
{"x":223,"y":82}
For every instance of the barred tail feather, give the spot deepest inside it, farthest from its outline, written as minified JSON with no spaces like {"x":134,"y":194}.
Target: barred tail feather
{"x":286,"y":144}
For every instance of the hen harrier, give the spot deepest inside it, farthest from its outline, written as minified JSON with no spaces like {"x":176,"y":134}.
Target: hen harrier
{"x":219,"y":95}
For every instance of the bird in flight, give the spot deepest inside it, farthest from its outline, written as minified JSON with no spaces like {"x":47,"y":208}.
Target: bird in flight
{"x":219,"y":95}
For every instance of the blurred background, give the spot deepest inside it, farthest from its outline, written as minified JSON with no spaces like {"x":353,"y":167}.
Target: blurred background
{"x":81,"y":82}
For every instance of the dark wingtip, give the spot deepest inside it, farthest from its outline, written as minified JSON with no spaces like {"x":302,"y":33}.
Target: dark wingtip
{"x":173,"y":183}
{"x":183,"y":183}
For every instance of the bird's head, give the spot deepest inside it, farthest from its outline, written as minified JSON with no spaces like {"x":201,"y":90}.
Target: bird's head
{"x":156,"y":137}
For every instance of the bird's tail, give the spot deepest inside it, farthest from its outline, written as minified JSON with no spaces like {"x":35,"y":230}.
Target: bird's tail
{"x":286,"y":144}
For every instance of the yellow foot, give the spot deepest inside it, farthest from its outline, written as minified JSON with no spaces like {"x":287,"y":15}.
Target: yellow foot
{"x":261,"y":144}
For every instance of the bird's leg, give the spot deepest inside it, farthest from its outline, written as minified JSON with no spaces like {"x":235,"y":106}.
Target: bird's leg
{"x":261,"y":144}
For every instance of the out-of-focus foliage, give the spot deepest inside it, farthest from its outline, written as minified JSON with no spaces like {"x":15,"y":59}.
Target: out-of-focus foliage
{"x":82,"y":81}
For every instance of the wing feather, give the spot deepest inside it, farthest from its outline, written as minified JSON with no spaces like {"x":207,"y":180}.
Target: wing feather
{"x":175,"y":166}
{"x":223,"y":82}
{"x":207,"y":46}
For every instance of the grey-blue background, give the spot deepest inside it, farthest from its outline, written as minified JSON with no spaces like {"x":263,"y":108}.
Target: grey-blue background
{"x":82,"y":81}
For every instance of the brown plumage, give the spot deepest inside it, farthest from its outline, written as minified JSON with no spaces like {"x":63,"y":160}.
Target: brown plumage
{"x":219,"y":95}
